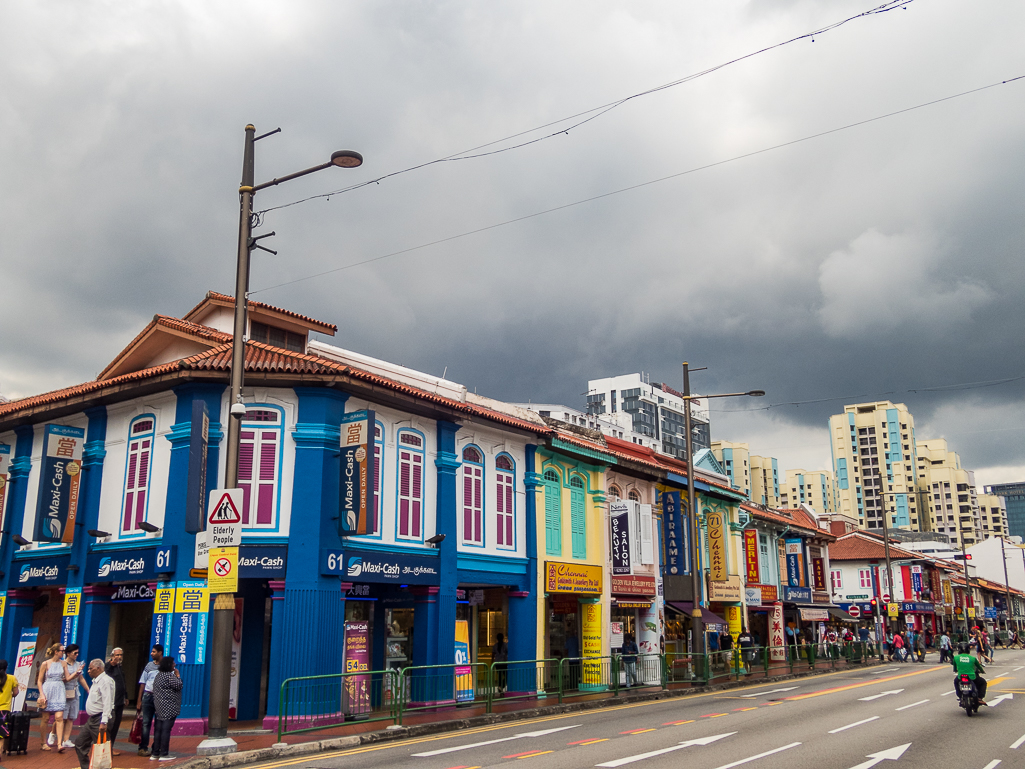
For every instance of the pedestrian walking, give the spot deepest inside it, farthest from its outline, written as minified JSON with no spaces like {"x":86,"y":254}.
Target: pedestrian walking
{"x":946,"y":650}
{"x":98,"y":706}
{"x":71,"y":702}
{"x":8,"y":690}
{"x":746,"y":642}
{"x":920,"y":647}
{"x":52,"y":697}
{"x":117,"y":675}
{"x":167,"y":699}
{"x":499,"y":656}
{"x":144,"y":699}
{"x":898,"y":647}
{"x":629,"y":651}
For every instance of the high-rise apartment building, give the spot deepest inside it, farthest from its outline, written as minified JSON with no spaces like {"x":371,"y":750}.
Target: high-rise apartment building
{"x":993,"y":514}
{"x":873,"y":447}
{"x":655,"y":411}
{"x":1014,"y":498}
{"x":949,"y":502}
{"x":756,"y":476}
{"x":815,"y":488}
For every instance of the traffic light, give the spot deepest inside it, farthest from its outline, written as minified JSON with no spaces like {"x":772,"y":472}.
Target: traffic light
{"x":965,"y":557}
{"x":874,"y":602}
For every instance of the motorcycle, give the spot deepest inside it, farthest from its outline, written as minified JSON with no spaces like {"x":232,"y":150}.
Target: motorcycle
{"x":968,"y":695}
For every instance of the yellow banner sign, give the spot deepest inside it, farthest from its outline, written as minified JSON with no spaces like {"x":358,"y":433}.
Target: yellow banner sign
{"x":717,"y":571}
{"x":222,"y":574}
{"x":163,"y":601}
{"x":191,"y":598}
{"x":891,"y":610}
{"x":72,"y":602}
{"x":572,"y":578}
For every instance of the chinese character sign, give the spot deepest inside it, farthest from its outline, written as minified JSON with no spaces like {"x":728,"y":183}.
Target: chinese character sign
{"x":163,"y":610}
{"x":619,"y":537}
{"x":751,"y":556}
{"x":717,"y":571}
{"x":356,"y":488}
{"x":776,"y":633}
{"x":60,"y":473}
{"x":916,"y":579}
{"x":69,"y":621}
{"x":189,"y":629}
{"x":675,"y":534}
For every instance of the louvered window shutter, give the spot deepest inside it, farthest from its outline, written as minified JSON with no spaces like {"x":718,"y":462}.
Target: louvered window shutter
{"x":647,"y":536}
{"x":245,"y":471}
{"x":504,"y":509}
{"x":405,"y":472}
{"x":578,"y":523}
{"x":553,"y":520}
{"x":136,"y":483}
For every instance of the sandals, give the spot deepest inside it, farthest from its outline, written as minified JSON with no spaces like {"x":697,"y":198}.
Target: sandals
{"x":46,"y":747}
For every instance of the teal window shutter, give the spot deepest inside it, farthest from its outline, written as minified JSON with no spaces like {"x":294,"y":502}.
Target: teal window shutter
{"x":553,"y":514}
{"x":578,"y":520}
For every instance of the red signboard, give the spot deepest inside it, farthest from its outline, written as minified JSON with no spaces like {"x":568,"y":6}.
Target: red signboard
{"x":633,"y":585}
{"x":751,"y":556}
{"x":818,"y":566}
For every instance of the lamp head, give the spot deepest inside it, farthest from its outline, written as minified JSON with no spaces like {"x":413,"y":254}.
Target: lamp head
{"x":149,"y":527}
{"x":19,"y":540}
{"x":346,"y":159}
{"x":755,"y":393}
{"x":98,"y":533}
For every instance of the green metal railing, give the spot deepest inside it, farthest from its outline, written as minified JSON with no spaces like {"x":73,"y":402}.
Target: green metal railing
{"x":311,"y":703}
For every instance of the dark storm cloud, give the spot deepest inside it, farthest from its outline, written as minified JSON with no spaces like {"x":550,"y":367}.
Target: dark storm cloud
{"x":881,"y":259}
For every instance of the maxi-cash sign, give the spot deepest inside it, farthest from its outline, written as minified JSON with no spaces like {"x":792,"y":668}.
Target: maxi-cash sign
{"x":372,"y":566}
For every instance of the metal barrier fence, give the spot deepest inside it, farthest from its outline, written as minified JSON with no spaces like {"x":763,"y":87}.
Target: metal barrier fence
{"x":312,"y":703}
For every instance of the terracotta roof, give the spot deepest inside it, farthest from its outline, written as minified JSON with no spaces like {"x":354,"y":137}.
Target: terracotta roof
{"x":225,"y":300}
{"x":788,"y":518}
{"x":175,"y":325}
{"x":861,"y":546}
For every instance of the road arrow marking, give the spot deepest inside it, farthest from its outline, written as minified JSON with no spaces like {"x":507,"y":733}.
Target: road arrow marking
{"x":920,"y":702}
{"x":993,"y":703}
{"x":493,"y":742}
{"x":877,"y":696}
{"x":1018,"y":743}
{"x":760,"y":755}
{"x":946,"y":693}
{"x":773,"y":691}
{"x":851,"y":726}
{"x":992,"y":764}
{"x":883,"y":755}
{"x":681,"y":746}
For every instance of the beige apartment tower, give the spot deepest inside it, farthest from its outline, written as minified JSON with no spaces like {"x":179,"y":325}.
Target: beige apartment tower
{"x":815,"y":488}
{"x":756,"y":476}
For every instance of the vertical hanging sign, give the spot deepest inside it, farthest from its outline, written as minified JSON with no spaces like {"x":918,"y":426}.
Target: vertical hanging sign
{"x":675,"y":534}
{"x":619,"y":522}
{"x":356,"y":487}
{"x":916,"y":579}
{"x":5,"y":462}
{"x":795,"y":563}
{"x":163,"y":610}
{"x":818,"y":568}
{"x":717,"y":571}
{"x":195,"y":495}
{"x":59,"y":476}
{"x":751,"y":556}
{"x":69,"y":620}
{"x":188,"y":633}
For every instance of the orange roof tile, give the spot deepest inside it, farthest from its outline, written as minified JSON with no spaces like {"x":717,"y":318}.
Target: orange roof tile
{"x":226,"y":300}
{"x":861,"y":546}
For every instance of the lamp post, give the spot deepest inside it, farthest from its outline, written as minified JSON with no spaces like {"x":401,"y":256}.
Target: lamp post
{"x":217,"y":740}
{"x":697,"y":626}
{"x":886,"y":551}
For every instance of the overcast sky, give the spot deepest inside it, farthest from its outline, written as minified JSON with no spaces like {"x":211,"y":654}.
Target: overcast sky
{"x":860,"y":265}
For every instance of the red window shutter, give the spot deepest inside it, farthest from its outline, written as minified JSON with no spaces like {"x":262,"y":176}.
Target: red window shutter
{"x":245,"y":474}
{"x":375,"y":510}
{"x":133,"y":458}
{"x":467,"y":506}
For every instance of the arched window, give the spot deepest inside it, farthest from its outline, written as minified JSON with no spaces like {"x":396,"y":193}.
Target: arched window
{"x":411,"y":484}
{"x":259,"y":466}
{"x":633,"y":496}
{"x":137,"y":472}
{"x":473,"y":496}
{"x":553,"y":512}
{"x":505,"y":500}
{"x":577,"y":516}
{"x":615,"y":492}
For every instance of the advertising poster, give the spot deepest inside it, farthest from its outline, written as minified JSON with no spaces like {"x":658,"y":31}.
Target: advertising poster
{"x":717,"y":571}
{"x":60,"y":473}
{"x":619,"y":537}
{"x":69,"y":620}
{"x":464,"y":673}
{"x":236,"y":659}
{"x":795,"y":562}
{"x":777,"y":633}
{"x":591,"y":630}
{"x":356,"y":489}
{"x":751,"y":556}
{"x":916,"y":579}
{"x":23,"y":665}
{"x":357,"y":662}
{"x":189,"y":628}
{"x":5,"y":465}
{"x":734,"y":622}
{"x":675,"y":534}
{"x":163,"y":610}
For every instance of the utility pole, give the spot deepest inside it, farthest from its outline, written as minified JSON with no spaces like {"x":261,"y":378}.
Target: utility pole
{"x":886,"y":550}
{"x":697,"y":625}
{"x":1007,"y":590}
{"x":967,"y":586}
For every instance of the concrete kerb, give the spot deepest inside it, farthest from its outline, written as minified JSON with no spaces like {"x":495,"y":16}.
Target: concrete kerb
{"x":282,"y":750}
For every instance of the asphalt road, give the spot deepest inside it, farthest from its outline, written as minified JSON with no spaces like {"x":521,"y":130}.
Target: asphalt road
{"x":899,"y":716}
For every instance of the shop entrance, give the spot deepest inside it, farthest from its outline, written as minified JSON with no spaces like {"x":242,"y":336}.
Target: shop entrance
{"x":563,"y":627}
{"x":130,"y":628}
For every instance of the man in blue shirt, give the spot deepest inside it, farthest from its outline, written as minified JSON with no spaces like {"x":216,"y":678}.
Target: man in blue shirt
{"x":144,"y":701}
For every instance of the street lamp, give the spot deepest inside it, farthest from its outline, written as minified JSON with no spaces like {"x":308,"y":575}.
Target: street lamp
{"x":697,"y":626}
{"x":224,"y":603}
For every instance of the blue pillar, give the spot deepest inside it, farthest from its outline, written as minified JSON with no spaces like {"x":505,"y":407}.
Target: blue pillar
{"x":16,"y":617}
{"x":311,"y":627}
{"x":447,"y":463}
{"x":277,"y":653}
{"x":523,"y":603}
{"x":195,"y":677}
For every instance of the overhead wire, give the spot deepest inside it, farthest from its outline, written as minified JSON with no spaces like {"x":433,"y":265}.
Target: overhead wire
{"x":589,"y":115}
{"x":635,"y":186}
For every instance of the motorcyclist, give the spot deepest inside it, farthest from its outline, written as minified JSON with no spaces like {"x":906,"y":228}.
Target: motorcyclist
{"x":965,"y":664}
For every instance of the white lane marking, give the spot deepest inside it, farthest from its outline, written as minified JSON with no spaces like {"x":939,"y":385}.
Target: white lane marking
{"x":883,"y":755}
{"x":851,"y":726}
{"x":642,"y":756}
{"x":772,"y":691}
{"x":946,"y":693}
{"x":1000,"y":699}
{"x":760,"y":755}
{"x":1017,"y":669}
{"x":920,"y":702}
{"x":992,"y":764}
{"x":1018,"y":742}
{"x":494,"y":742}
{"x":877,"y":696}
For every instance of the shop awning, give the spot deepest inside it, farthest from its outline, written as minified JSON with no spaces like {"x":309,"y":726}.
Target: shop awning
{"x":841,"y":615}
{"x":687,"y":608}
